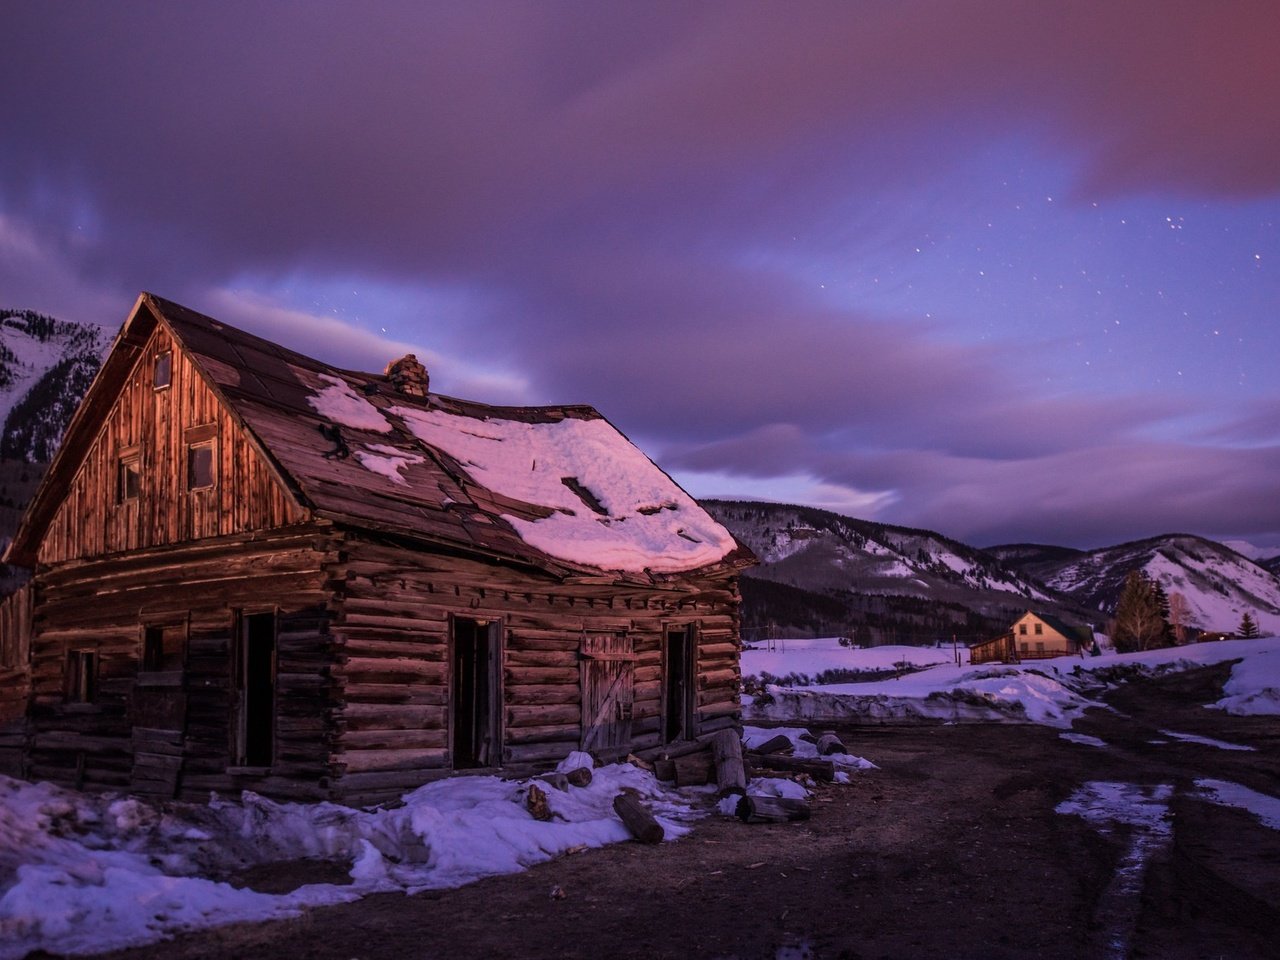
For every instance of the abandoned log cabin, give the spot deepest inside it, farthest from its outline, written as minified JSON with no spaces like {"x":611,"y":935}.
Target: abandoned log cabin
{"x":251,"y":570}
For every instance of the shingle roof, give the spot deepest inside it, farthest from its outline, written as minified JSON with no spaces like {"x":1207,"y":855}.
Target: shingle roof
{"x":352,"y":449}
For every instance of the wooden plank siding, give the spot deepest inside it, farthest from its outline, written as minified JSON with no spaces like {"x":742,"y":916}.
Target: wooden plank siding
{"x":93,"y":522}
{"x":391,"y":629}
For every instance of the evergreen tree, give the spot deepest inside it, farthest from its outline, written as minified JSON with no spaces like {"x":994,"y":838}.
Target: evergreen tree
{"x":1248,"y":629}
{"x":1138,"y":624}
{"x":1162,"y":605}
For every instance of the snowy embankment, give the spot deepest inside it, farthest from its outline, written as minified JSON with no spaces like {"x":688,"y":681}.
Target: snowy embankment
{"x":814,"y":656}
{"x":1052,"y":692}
{"x":82,"y":874}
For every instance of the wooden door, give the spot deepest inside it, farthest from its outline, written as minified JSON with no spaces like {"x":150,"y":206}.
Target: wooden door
{"x":608,"y":677}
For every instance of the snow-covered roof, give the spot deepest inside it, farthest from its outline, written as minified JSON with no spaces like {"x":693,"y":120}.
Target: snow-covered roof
{"x":558,"y":487}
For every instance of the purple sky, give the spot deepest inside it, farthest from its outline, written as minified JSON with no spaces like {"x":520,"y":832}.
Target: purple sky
{"x":1006,"y":270}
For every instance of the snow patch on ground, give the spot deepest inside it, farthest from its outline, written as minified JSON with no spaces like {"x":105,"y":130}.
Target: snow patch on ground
{"x":1140,"y":814}
{"x":1254,"y":686}
{"x":86,"y":873}
{"x":1262,"y":805}
{"x":1082,"y":738}
{"x":1204,"y":741}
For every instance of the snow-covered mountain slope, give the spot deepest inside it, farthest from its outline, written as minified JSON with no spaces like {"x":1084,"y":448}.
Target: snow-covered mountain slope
{"x":46,"y":365}
{"x":823,"y":573}
{"x":1220,"y":585}
{"x":814,"y":549}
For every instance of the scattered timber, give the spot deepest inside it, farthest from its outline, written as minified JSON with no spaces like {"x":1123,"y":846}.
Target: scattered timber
{"x":753,"y":809}
{"x":829,"y":743}
{"x":642,"y":824}
{"x":778,"y":744}
{"x":823,"y":770}
{"x":731,"y":777}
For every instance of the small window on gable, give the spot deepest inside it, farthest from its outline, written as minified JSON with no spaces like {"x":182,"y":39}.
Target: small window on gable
{"x":200,"y":466}
{"x":1039,"y":629}
{"x":1022,"y":629}
{"x":163,"y":370}
{"x":128,"y":476}
{"x":162,"y":647}
{"x":82,"y":676}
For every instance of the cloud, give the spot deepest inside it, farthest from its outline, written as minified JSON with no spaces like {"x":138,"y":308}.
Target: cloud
{"x":642,"y":194}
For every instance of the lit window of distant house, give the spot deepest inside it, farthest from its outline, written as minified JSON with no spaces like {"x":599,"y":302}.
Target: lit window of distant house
{"x":1039,"y":629}
{"x":82,"y":676}
{"x":200,"y":466}
{"x":128,"y":477}
{"x":164,"y":370}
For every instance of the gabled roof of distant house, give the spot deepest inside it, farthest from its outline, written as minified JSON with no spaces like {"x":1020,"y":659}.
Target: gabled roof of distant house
{"x":555,"y":487}
{"x":1079,"y":634}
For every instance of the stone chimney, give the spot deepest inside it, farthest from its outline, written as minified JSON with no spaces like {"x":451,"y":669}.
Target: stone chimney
{"x":408,"y":376}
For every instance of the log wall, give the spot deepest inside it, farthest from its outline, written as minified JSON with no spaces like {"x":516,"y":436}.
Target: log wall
{"x":102,"y":607}
{"x":92,"y":521}
{"x":15,"y":677}
{"x":391,"y":628}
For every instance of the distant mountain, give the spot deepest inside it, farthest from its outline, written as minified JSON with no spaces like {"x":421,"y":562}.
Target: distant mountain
{"x":1219,"y":583}
{"x":46,"y":365}
{"x":824,"y":573}
{"x":1271,"y":563}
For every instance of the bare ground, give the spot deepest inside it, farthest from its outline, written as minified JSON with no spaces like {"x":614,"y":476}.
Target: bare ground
{"x":951,"y":849}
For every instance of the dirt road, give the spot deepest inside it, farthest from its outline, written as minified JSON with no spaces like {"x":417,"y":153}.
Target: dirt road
{"x":951,"y":849}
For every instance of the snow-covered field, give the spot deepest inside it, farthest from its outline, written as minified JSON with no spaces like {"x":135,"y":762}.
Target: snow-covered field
{"x":1053,"y":692}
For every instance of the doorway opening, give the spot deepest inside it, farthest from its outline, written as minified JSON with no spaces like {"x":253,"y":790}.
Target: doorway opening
{"x":475,"y":694}
{"x":678,"y":684}
{"x":256,"y":690}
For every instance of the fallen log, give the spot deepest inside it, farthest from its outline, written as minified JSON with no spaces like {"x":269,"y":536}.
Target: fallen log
{"x":726,"y":748}
{"x":771,"y":809}
{"x":778,"y":744}
{"x":557,"y":780}
{"x":580,"y":777}
{"x":637,"y":818}
{"x":829,"y":743}
{"x":823,"y":770}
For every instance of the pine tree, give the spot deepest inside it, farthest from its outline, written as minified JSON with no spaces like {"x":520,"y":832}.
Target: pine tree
{"x":1248,"y":629}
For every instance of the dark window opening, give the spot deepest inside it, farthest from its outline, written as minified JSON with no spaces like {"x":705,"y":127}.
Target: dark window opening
{"x":1039,"y":629}
{"x":256,"y":691}
{"x":199,"y":466}
{"x":82,"y":676}
{"x":163,"y":370}
{"x":678,"y":686}
{"x":129,"y":478}
{"x":475,"y":697}
{"x":1022,"y":629}
{"x":162,"y":648}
